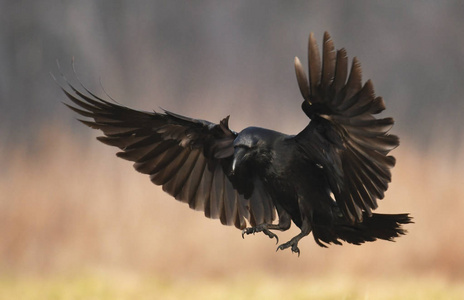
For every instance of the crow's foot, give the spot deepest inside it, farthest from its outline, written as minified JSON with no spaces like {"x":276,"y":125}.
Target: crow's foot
{"x":293,"y":243}
{"x":260,"y":228}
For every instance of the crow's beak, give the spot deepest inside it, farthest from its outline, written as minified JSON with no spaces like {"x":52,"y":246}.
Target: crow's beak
{"x":239,"y":153}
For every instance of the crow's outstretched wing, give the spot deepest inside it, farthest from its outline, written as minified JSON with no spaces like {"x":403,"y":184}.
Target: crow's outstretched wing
{"x":343,"y":136}
{"x":190,"y":158}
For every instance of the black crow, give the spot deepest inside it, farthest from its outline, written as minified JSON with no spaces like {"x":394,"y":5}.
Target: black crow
{"x":326,"y":179}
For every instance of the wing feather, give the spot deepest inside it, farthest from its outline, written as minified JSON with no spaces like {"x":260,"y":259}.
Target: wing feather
{"x":314,"y":68}
{"x":343,"y":129}
{"x":354,"y":83}
{"x":175,"y":186}
{"x":341,"y":66}
{"x":189,"y":158}
{"x":328,"y":64}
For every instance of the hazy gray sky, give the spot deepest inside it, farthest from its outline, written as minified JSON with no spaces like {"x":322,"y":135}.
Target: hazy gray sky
{"x":209,"y":59}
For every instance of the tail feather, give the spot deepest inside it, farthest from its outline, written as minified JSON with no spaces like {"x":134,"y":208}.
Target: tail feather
{"x":378,"y":226}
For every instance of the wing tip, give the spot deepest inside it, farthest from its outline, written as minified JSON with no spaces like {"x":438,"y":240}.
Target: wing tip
{"x":302,"y":79}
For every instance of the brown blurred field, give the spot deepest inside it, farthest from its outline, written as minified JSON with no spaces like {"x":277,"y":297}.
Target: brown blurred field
{"x":254,"y":286}
{"x":70,"y":207}
{"x":78,"y":223}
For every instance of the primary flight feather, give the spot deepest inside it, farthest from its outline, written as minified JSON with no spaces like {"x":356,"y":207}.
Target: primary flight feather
{"x":327,"y":179}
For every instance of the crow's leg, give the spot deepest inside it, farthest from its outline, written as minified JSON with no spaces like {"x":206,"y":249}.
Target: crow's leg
{"x":264,"y":228}
{"x":284,"y":224}
{"x":293,"y":243}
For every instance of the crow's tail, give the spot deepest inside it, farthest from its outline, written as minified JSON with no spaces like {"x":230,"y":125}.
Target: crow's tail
{"x":378,"y":226}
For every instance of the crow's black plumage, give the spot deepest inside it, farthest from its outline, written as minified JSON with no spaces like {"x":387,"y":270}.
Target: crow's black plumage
{"x":326,"y":179}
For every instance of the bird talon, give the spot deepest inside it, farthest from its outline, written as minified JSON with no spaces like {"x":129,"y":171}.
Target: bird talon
{"x":290,"y":244}
{"x":271,"y":235}
{"x":260,"y":228}
{"x":247,"y":231}
{"x":281,"y":247}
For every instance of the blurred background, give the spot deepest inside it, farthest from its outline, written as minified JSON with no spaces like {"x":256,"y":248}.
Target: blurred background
{"x":68,"y":205}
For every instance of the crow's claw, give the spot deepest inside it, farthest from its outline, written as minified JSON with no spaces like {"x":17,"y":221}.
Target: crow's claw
{"x":271,"y":235}
{"x":249,"y":230}
{"x":292,"y":244}
{"x":260,"y":228}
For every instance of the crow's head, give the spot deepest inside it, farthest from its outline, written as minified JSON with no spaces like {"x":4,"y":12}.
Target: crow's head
{"x":252,"y":148}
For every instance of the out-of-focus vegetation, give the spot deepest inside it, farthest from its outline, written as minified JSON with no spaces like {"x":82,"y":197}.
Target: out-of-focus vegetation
{"x":68,"y":206}
{"x":256,"y":286}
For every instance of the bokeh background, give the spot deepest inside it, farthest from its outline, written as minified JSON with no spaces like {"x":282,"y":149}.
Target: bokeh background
{"x":69,"y":206}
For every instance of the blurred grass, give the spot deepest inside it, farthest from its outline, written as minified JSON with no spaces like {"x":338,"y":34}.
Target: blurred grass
{"x":245,"y":287}
{"x":69,"y":205}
